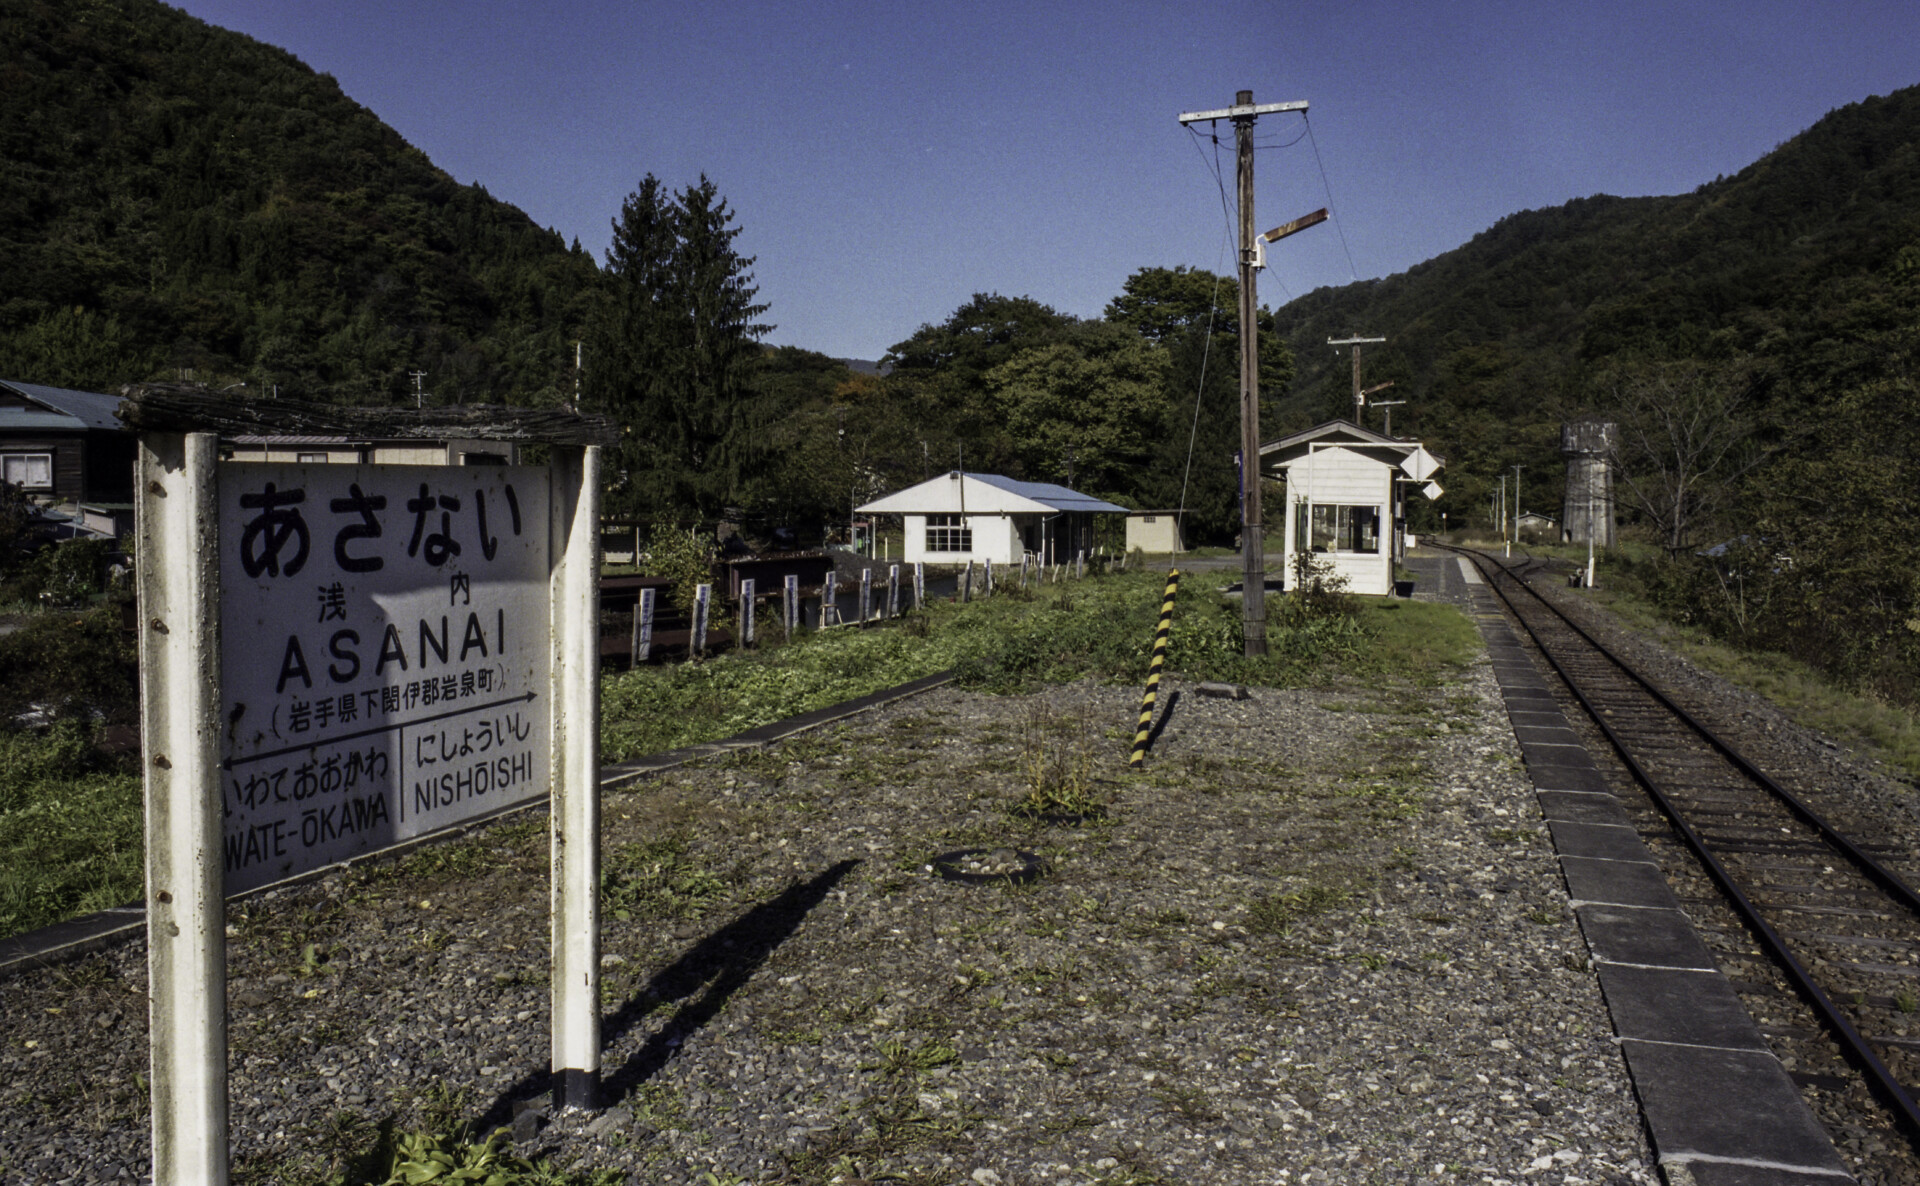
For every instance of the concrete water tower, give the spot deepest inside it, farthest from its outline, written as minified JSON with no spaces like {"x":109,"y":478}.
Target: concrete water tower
{"x":1588,"y":445}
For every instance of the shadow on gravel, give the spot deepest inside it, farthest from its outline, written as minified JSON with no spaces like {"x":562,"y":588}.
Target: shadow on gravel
{"x":1166,"y":714}
{"x":720,"y":963}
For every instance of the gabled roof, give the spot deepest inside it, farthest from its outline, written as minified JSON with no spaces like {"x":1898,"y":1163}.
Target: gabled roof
{"x":985,"y":494}
{"x":60,"y":407}
{"x":1409,"y":455}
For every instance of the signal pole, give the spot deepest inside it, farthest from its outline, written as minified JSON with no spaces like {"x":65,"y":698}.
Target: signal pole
{"x":1253,"y":580}
{"x":1359,"y":396}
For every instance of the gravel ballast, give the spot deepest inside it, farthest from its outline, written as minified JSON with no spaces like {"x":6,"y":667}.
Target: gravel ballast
{"x":1322,"y":938}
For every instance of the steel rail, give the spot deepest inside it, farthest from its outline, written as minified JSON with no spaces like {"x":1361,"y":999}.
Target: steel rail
{"x":1885,"y":877}
{"x":1850,"y":1038}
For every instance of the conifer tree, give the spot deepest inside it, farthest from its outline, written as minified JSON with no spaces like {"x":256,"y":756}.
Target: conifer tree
{"x":671,"y":346}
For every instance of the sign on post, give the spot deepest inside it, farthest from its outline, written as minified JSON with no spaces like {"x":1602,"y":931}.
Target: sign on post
{"x":385,"y":659}
{"x":866,"y":595}
{"x":919,"y":586}
{"x":702,"y":603}
{"x":830,"y":600}
{"x":746,"y":611}
{"x":643,"y":625}
{"x":893,"y":591}
{"x":337,"y":658}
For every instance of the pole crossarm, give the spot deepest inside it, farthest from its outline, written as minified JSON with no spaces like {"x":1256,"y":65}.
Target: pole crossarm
{"x":1242,"y":111}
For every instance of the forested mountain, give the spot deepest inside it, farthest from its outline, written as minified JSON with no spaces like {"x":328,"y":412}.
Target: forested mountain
{"x":1757,"y":341}
{"x":1778,"y":267}
{"x":180,"y":200}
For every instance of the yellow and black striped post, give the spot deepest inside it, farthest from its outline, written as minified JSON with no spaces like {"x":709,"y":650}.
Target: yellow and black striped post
{"x":1145,"y":728}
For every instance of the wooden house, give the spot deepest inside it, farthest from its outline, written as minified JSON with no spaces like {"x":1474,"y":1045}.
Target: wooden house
{"x":960,"y":517}
{"x":1346,"y":491}
{"x":64,"y":446}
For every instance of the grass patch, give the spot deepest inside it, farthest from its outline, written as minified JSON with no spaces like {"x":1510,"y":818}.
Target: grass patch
{"x":71,"y":829}
{"x":1098,"y":627}
{"x":1886,"y":731}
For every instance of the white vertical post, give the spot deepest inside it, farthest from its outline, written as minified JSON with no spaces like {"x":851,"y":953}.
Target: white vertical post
{"x":789,"y":605}
{"x":746,"y":611}
{"x":830,"y":599}
{"x":919,"y":586}
{"x":179,"y":585}
{"x":643,"y":625}
{"x":986,"y":578}
{"x":866,"y":595}
{"x":702,"y":600}
{"x":966,"y":584}
{"x":1080,"y":565}
{"x":574,"y":702}
{"x":893,"y":590}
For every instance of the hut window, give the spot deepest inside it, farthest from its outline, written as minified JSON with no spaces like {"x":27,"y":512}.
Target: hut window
{"x":29,"y":471}
{"x":1346,"y":529}
{"x":948,"y":533}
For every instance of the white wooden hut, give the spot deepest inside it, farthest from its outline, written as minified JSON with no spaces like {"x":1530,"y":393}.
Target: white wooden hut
{"x":1346,"y":491}
{"x":958,"y":517}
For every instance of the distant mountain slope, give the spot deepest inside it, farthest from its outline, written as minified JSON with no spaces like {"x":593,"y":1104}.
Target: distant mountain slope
{"x":173,"y":195}
{"x":1492,"y":343}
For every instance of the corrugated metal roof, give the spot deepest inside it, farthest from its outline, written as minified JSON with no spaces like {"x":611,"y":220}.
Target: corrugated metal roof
{"x":942,"y":494}
{"x":1058,"y":497}
{"x":91,"y":409}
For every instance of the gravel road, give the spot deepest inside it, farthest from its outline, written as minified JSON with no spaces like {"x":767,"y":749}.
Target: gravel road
{"x":1321,"y":939}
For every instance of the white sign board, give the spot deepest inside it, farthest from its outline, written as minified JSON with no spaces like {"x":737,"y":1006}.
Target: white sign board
{"x":385,"y":658}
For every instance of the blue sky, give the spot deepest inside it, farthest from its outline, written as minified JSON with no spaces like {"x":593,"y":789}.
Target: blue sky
{"x":887,"y":160}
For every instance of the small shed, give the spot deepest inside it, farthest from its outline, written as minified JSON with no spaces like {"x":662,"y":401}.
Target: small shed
{"x":1154,"y":531}
{"x":959,"y":517}
{"x":65,"y":446}
{"x":1346,"y":492}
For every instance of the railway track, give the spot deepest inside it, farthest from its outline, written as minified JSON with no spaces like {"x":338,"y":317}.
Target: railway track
{"x":1822,"y":910}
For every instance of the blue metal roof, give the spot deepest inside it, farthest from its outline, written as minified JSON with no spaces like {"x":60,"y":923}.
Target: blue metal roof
{"x":64,"y":408}
{"x":1058,"y":497}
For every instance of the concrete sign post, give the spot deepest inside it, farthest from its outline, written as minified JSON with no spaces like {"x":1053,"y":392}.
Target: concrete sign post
{"x":893,"y":590}
{"x":866,"y":595}
{"x":789,"y":606}
{"x":338,"y":658}
{"x":919,"y":586}
{"x":573,"y":699}
{"x":830,"y":600}
{"x":179,"y":582}
{"x":746,"y":612}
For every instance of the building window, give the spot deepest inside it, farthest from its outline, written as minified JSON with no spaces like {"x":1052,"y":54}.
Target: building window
{"x":29,"y":471}
{"x":948,"y":533}
{"x":310,"y":458}
{"x":1149,"y":519}
{"x":1346,"y":529}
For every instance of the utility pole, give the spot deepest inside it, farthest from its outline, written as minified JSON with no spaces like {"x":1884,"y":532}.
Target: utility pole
{"x":1388,"y":404}
{"x":419,"y":393}
{"x":1253,"y":580}
{"x":1359,"y":396}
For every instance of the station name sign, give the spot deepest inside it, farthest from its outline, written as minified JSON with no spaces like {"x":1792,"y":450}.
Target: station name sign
{"x":385,"y":656}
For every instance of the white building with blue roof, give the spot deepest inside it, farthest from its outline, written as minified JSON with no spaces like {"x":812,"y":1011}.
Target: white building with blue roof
{"x":960,"y":517}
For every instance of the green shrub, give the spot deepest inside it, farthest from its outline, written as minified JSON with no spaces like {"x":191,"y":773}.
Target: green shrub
{"x":72,"y":666}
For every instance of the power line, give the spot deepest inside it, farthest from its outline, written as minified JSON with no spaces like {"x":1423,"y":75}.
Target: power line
{"x":1327,"y":187}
